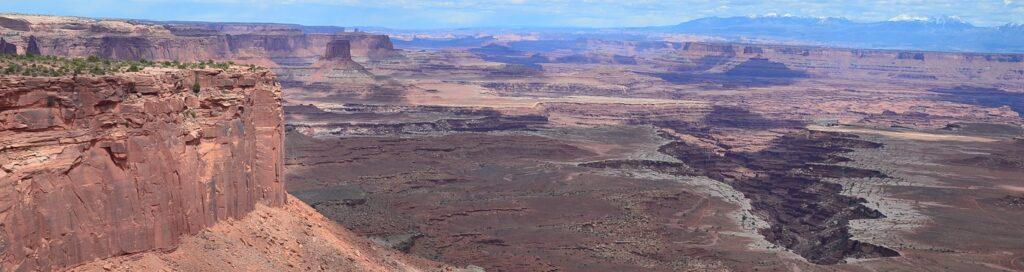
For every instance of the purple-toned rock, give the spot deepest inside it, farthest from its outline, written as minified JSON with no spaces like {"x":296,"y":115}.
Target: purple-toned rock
{"x":32,"y":48}
{"x":338,"y":50}
{"x":7,"y":48}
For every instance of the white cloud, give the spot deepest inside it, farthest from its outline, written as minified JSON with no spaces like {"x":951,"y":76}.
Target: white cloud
{"x":594,"y":13}
{"x":907,"y":17}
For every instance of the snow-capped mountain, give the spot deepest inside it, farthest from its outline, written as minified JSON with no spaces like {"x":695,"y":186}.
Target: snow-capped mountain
{"x":947,"y":33}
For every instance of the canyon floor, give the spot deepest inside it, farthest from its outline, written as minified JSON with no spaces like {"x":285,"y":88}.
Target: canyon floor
{"x":481,"y":157}
{"x":517,"y":153}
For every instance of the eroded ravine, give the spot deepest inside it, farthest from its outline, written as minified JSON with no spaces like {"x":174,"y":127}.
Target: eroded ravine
{"x":784,"y":181}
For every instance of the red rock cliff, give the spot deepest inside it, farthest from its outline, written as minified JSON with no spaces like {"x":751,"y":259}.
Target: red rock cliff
{"x":94,"y":167}
{"x":338,"y":49}
{"x":267,"y":45}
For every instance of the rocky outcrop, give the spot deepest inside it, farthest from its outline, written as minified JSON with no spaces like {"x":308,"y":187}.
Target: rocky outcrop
{"x":95,"y":167}
{"x":760,"y":67}
{"x":709,"y":48}
{"x":265,"y":44}
{"x":7,"y":48}
{"x":15,"y":24}
{"x":791,"y":61}
{"x":293,"y":237}
{"x":232,"y":28}
{"x":369,"y":46}
{"x":338,"y":50}
{"x":334,"y":65}
{"x":32,"y":48}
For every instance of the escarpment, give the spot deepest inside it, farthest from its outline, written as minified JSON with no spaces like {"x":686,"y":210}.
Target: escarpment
{"x":793,"y":61}
{"x":102,"y":166}
{"x":267,"y":45}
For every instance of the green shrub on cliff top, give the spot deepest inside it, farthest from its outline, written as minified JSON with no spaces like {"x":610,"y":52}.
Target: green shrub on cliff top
{"x":53,"y":66}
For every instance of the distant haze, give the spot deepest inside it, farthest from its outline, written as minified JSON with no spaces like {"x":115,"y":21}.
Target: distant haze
{"x":413,"y":14}
{"x":935,"y":34}
{"x":937,"y":25}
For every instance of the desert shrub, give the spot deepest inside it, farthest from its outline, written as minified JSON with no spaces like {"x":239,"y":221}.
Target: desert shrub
{"x":54,"y":66}
{"x":515,"y":70}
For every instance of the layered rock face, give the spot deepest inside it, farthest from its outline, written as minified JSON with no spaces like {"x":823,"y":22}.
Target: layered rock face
{"x":371,"y":46}
{"x":921,"y":68}
{"x":15,"y":24}
{"x":338,"y":49}
{"x":32,"y":48}
{"x":265,"y":44}
{"x":94,"y":167}
{"x":714,"y":63}
{"x":336,"y":66}
{"x":7,"y":48}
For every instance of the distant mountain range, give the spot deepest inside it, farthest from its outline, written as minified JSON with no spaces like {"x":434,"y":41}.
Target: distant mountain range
{"x":935,"y":34}
{"x":901,"y":33}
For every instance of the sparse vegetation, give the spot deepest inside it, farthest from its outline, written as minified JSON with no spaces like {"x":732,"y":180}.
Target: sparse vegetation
{"x":54,"y":66}
{"x":190,"y":113}
{"x":515,"y":70}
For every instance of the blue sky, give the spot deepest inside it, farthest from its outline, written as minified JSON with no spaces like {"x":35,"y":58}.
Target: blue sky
{"x":412,"y":14}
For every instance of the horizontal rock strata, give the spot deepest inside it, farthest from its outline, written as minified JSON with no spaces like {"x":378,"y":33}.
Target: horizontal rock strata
{"x":94,"y":167}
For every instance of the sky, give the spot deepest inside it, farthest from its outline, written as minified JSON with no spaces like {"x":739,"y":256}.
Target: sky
{"x":413,"y":14}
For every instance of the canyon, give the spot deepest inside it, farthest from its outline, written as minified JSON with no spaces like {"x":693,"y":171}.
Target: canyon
{"x":598,"y":155}
{"x":589,"y":154}
{"x":152,"y":169}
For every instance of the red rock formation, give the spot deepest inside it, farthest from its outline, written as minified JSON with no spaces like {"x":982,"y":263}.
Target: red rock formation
{"x":15,"y":24}
{"x":338,"y":49}
{"x":370,"y":46}
{"x":94,"y":167}
{"x":265,"y":44}
{"x":335,"y":65}
{"x":7,"y":48}
{"x":726,"y":49}
{"x":940,"y":68}
{"x":32,"y":48}
{"x":293,"y":237}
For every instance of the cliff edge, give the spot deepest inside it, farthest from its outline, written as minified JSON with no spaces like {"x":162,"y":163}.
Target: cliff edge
{"x":269,"y":46}
{"x":101,"y":166}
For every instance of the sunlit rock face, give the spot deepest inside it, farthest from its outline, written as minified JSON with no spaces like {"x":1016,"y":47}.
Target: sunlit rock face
{"x":264,"y":44}
{"x":94,"y":167}
{"x":338,"y":50}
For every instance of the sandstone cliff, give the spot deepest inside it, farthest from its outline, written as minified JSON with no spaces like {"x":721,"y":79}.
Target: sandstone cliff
{"x":95,"y":167}
{"x":918,"y":67}
{"x":336,"y":66}
{"x":338,"y":50}
{"x":265,"y":44}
